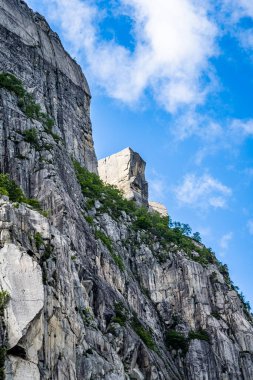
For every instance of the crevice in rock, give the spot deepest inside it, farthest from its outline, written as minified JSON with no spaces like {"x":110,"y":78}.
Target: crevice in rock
{"x":17,"y":351}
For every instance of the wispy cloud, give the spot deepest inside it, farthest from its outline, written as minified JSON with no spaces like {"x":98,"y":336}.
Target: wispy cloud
{"x":202,"y":192}
{"x":225,"y":242}
{"x":157,"y":186}
{"x":214,"y":134}
{"x":250,"y":226}
{"x":173,"y":44}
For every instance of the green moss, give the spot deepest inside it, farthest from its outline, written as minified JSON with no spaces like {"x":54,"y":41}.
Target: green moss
{"x":39,"y":242}
{"x":4,"y":299}
{"x":118,"y":261}
{"x":144,"y":333}
{"x":177,"y":341}
{"x":48,"y":129}
{"x":108,"y":243}
{"x":31,"y":136}
{"x":89,"y":219}
{"x":11,"y":83}
{"x":48,"y":250}
{"x":87,"y":316}
{"x":105,"y":240}
{"x":200,"y":335}
{"x":3,"y":191}
{"x":34,"y":203}
{"x":121,"y":316}
{"x":28,"y":105}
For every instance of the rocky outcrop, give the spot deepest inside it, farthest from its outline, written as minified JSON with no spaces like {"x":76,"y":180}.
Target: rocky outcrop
{"x":126,"y":171}
{"x":158,"y":207}
{"x":94,"y":292}
{"x":32,"y":51}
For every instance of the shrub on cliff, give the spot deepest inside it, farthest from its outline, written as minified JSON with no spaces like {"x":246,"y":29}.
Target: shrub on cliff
{"x":26,"y":102}
{"x":176,"y":341}
{"x":12,"y":190}
{"x":111,"y":199}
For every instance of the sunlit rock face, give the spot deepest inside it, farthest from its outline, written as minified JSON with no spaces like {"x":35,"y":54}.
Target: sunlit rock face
{"x":158,"y":207}
{"x":126,"y":170}
{"x":91,"y":296}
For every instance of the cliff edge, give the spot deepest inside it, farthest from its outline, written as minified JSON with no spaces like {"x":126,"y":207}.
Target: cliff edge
{"x":92,"y":286}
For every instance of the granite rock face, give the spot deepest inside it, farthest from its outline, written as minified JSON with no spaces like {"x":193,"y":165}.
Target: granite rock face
{"x":126,"y":170}
{"x":81,"y":308}
{"x":158,"y":207}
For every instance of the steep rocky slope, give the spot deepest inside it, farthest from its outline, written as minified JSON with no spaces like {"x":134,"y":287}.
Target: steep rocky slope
{"x":91,"y":286}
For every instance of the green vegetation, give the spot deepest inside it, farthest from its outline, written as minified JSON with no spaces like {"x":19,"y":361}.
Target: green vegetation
{"x":15,"y":194}
{"x":120,"y":314}
{"x":4,"y":299}
{"x":200,"y":335}
{"x":9,"y":187}
{"x":108,"y":243}
{"x":39,"y":242}
{"x":31,"y":136}
{"x":177,"y":341}
{"x":118,"y":261}
{"x":216,"y":315}
{"x":113,"y":203}
{"x":105,"y":240}
{"x":111,"y":199}
{"x":29,"y":107}
{"x":2,"y":362}
{"x":48,"y":250}
{"x":89,"y":219}
{"x":144,"y":333}
{"x":171,"y":235}
{"x":87,"y":316}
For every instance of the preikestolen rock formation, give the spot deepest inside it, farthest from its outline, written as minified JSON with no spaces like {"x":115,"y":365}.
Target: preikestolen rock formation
{"x":126,"y":171}
{"x":91,"y":285}
{"x":158,"y":207}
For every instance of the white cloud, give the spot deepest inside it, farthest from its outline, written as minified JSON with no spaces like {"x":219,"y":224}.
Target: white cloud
{"x":242,"y":128}
{"x":157,"y":186}
{"x":234,"y":11}
{"x":173,"y":43}
{"x":202,"y":192}
{"x":225,"y":240}
{"x":250,"y":226}
{"x":215,"y":135}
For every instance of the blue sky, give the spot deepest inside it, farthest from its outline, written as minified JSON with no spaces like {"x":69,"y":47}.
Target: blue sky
{"x":174,"y":81}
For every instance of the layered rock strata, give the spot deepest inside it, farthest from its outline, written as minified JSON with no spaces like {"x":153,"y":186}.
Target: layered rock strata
{"x":92,"y":296}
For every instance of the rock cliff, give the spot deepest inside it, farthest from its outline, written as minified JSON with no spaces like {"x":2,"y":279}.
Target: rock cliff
{"x":91,"y":286}
{"x":126,"y":170}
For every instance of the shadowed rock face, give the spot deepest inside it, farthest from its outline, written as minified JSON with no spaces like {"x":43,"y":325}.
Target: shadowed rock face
{"x":126,"y":170}
{"x":87,"y":307}
{"x":31,"y":51}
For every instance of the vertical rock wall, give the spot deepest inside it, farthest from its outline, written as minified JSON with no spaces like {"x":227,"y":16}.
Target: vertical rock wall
{"x":92,"y":297}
